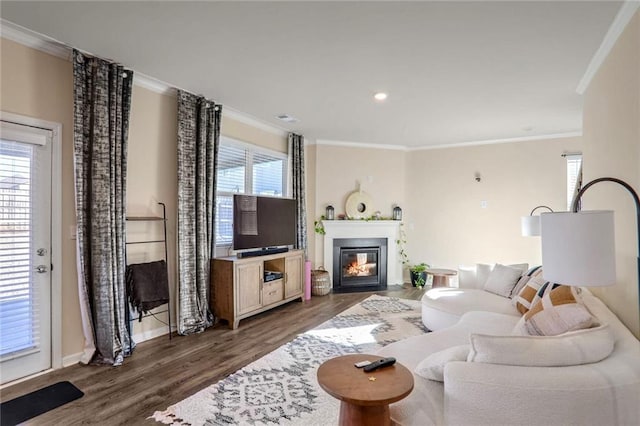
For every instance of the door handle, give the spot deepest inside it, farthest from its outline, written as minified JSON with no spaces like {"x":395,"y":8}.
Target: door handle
{"x":41,"y":269}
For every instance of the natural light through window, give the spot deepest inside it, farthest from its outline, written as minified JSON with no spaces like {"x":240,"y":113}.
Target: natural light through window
{"x":574,"y":176}
{"x":347,"y":336}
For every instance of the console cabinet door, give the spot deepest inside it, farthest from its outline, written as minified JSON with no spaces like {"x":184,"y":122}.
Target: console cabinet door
{"x":294,"y":276}
{"x":248,"y":285}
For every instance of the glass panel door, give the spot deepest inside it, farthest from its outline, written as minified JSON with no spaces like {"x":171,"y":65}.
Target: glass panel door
{"x":25,"y":245}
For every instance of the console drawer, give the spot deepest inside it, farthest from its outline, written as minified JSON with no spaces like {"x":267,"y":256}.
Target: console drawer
{"x":272,"y":292}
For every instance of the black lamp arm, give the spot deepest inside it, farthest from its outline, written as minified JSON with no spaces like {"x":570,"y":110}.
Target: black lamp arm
{"x":540,"y":207}
{"x":576,"y":201}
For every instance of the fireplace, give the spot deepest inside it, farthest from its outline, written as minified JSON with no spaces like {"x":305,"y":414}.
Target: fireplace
{"x":359,"y":264}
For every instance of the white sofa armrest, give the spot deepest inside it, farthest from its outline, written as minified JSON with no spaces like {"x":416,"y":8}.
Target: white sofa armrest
{"x":591,"y":394}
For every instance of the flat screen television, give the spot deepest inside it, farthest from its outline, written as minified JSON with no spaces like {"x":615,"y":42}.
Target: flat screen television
{"x":263,"y":222}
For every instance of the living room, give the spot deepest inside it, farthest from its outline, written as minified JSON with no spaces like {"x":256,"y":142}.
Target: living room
{"x":449,"y":216}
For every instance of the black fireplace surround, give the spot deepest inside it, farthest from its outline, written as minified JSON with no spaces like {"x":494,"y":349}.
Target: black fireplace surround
{"x":359,"y":264}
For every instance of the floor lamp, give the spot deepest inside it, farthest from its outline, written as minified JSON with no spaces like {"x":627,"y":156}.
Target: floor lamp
{"x":578,"y":248}
{"x":530,"y":225}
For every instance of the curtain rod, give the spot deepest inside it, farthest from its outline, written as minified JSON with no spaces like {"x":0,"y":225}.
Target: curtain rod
{"x":568,"y":154}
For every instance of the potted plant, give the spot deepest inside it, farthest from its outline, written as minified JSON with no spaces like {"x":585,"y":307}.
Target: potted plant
{"x":418,"y":274}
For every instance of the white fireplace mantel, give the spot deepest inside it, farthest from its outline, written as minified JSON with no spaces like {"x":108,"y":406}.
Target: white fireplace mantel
{"x":389,"y":229}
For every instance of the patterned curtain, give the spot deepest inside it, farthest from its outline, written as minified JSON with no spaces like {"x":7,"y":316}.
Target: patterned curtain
{"x":102,"y":100}
{"x":198,"y":139}
{"x":296,"y":154}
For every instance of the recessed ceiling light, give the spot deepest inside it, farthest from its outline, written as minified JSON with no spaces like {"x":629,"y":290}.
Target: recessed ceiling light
{"x":380,"y":96}
{"x":287,"y":118}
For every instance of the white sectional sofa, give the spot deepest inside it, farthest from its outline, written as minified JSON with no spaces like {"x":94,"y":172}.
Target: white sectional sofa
{"x":509,"y":391}
{"x":443,"y":306}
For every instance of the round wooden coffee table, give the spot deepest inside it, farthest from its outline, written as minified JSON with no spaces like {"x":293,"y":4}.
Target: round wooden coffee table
{"x":365,"y":397}
{"x":441,"y":276}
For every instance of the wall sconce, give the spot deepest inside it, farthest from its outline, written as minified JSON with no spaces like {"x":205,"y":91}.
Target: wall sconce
{"x":478,"y":177}
{"x":530,"y":225}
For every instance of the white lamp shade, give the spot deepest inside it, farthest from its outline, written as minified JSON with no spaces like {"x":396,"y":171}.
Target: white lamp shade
{"x":530,"y":226}
{"x":578,"y":249}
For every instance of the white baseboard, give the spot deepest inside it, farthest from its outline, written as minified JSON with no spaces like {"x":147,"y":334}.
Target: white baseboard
{"x":71,"y":359}
{"x":140,"y":337}
{"x":150,"y":334}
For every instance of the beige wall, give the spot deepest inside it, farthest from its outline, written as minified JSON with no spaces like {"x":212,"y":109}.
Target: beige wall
{"x":39,"y":85}
{"x":445,"y":223}
{"x":151,"y":178}
{"x":249,"y":134}
{"x":381,"y":173}
{"x":612,"y":148}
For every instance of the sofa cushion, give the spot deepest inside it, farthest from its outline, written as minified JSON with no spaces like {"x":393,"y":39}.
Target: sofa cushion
{"x":432,"y":367}
{"x":572,"y":348}
{"x":502,"y":279}
{"x":557,"y":312}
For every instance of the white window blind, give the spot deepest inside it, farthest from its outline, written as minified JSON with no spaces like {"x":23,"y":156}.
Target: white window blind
{"x":245,"y":169}
{"x":574,"y":177}
{"x":18,"y":298}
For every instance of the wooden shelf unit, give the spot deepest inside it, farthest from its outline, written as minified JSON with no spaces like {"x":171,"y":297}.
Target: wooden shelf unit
{"x":238,"y":288}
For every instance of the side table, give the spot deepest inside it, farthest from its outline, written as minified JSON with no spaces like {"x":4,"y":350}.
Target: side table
{"x":441,"y":276}
{"x":365,"y":397}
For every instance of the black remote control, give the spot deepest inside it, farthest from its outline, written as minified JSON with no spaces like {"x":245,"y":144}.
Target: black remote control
{"x":384,"y":362}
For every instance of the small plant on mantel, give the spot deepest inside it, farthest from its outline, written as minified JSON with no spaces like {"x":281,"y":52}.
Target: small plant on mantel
{"x":318,"y":226}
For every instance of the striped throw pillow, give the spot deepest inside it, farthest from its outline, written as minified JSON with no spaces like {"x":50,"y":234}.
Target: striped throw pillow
{"x":536,"y":271}
{"x":557,"y":311}
{"x":525,"y":298}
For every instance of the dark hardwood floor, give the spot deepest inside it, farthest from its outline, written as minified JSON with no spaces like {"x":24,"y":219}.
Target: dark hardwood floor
{"x":163,"y":372}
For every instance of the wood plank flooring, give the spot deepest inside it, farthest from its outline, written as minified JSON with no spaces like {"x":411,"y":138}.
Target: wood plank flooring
{"x":161,"y":373}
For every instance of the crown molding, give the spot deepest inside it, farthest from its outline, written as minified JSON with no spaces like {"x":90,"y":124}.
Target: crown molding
{"x":618,"y":25}
{"x":498,"y":141}
{"x":328,"y":142}
{"x":26,"y":37}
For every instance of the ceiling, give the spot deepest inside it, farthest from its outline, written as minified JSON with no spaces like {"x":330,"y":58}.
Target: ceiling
{"x":455,"y":72}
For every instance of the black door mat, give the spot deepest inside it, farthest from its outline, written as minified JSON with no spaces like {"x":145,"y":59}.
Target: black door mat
{"x":38,"y":402}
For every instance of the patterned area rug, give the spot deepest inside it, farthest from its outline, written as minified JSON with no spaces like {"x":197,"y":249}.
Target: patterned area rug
{"x":281,"y":387}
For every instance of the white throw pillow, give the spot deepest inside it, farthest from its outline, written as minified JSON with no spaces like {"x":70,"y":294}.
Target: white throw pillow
{"x":502,"y":279}
{"x":572,"y":348}
{"x":432,"y":367}
{"x":482,"y":273}
{"x":467,"y":277}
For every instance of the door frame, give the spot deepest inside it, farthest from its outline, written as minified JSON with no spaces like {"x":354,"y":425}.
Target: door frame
{"x":56,"y":228}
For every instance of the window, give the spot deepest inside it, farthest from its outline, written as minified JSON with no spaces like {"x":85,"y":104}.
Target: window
{"x":574,"y":177}
{"x":245,"y":169}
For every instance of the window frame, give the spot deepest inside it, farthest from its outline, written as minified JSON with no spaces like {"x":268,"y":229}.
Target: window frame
{"x":251,"y":151}
{"x":570,"y":158}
